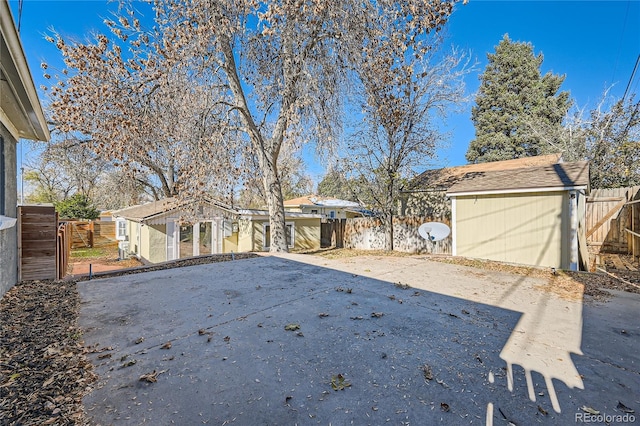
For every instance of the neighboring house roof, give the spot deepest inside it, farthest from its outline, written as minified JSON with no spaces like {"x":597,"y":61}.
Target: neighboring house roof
{"x":445,"y":178}
{"x":153,"y":209}
{"x":259,"y":214}
{"x":319,"y":201}
{"x":20,"y":109}
{"x":560,"y":176}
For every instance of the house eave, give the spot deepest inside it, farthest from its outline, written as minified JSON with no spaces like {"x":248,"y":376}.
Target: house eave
{"x":20,"y":109}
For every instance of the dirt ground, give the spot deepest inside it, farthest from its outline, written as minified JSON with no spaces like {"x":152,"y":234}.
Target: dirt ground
{"x":108,"y":261}
{"x":44,"y":371}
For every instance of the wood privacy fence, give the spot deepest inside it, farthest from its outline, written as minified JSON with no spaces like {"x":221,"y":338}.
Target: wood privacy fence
{"x":63,"y":249}
{"x":87,"y":234}
{"x":608,"y":214}
{"x":332,"y":233}
{"x":45,"y":243}
{"x":37,"y":242}
{"x":369,"y":234}
{"x":633,"y":229}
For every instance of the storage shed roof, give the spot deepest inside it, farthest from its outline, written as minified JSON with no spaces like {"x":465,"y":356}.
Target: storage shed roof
{"x":147,"y":211}
{"x":445,"y":178}
{"x":560,"y":176}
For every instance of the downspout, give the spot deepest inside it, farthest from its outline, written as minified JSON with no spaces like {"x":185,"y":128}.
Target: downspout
{"x":573,"y":230}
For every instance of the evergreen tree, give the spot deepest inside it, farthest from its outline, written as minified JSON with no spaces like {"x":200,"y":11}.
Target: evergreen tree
{"x":77,"y":207}
{"x":513,"y":95}
{"x":336,"y":184}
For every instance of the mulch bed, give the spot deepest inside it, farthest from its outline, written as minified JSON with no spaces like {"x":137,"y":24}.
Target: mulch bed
{"x":44,"y":371}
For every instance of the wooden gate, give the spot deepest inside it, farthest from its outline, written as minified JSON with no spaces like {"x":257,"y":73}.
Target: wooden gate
{"x":608,"y":215}
{"x":332,"y":233}
{"x":37,"y":241}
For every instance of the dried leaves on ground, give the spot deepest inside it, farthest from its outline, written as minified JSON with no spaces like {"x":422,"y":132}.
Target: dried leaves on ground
{"x":43,"y":369}
{"x":44,"y":372}
{"x":567,"y":284}
{"x":200,"y":260}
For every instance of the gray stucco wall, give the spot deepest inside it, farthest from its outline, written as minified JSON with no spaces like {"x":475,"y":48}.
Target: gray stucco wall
{"x":8,"y":237}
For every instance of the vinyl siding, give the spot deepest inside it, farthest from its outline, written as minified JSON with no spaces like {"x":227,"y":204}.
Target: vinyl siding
{"x":230,"y":244}
{"x":157,"y":243}
{"x":307,"y":234}
{"x":245,"y":235}
{"x":530,"y":228}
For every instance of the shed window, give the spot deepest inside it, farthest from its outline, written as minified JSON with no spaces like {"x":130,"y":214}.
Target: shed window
{"x":121,"y":229}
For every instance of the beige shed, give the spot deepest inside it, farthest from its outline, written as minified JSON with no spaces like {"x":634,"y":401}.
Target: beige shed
{"x":303,"y":230}
{"x":532,"y":216}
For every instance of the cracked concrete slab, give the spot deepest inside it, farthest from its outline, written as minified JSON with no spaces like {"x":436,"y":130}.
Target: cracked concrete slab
{"x":399,"y":340}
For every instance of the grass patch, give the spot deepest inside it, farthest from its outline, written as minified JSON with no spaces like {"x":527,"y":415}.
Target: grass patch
{"x":93,"y":252}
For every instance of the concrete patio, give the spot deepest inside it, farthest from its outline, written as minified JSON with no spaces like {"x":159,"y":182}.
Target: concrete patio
{"x":404,"y":340}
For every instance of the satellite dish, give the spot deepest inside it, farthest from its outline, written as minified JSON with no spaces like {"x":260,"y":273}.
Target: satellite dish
{"x":434,"y":231}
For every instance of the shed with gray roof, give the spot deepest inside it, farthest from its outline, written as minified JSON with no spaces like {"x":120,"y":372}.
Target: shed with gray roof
{"x":533,"y":216}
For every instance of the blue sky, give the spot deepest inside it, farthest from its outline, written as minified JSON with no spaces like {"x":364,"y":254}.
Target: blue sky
{"x":594,"y":43}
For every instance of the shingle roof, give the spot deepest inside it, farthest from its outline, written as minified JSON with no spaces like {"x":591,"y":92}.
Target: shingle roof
{"x":443,"y":179}
{"x":317,"y":200}
{"x":287,"y":214}
{"x":560,"y":175}
{"x":146,"y":211}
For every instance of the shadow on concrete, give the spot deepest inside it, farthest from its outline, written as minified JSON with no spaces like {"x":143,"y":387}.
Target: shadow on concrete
{"x":464,"y":353}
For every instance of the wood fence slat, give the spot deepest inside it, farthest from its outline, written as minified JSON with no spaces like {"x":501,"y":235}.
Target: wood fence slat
{"x":606,"y":234}
{"x":606,"y":217}
{"x":37,"y":242}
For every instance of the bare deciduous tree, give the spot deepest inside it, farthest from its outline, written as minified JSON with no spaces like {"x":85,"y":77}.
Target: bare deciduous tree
{"x":607,"y":136}
{"x":257,"y":72}
{"x":141,"y":114}
{"x":295,"y":181}
{"x":403,"y":93}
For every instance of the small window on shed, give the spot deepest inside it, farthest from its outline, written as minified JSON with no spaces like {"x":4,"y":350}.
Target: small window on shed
{"x":121,"y":229}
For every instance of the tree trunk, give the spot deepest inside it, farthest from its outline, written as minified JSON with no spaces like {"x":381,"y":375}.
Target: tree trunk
{"x":388,"y":214}
{"x":273,"y":191}
{"x":267,"y":152}
{"x":388,"y":231}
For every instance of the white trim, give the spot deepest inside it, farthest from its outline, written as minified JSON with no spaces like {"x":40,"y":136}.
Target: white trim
{"x":170,"y":248}
{"x":454,"y":226}
{"x":635,"y":234}
{"x":259,"y":215}
{"x":121,"y":223}
{"x":196,"y":239}
{"x":573,"y":230}
{"x":517,"y":191}
{"x":4,"y":119}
